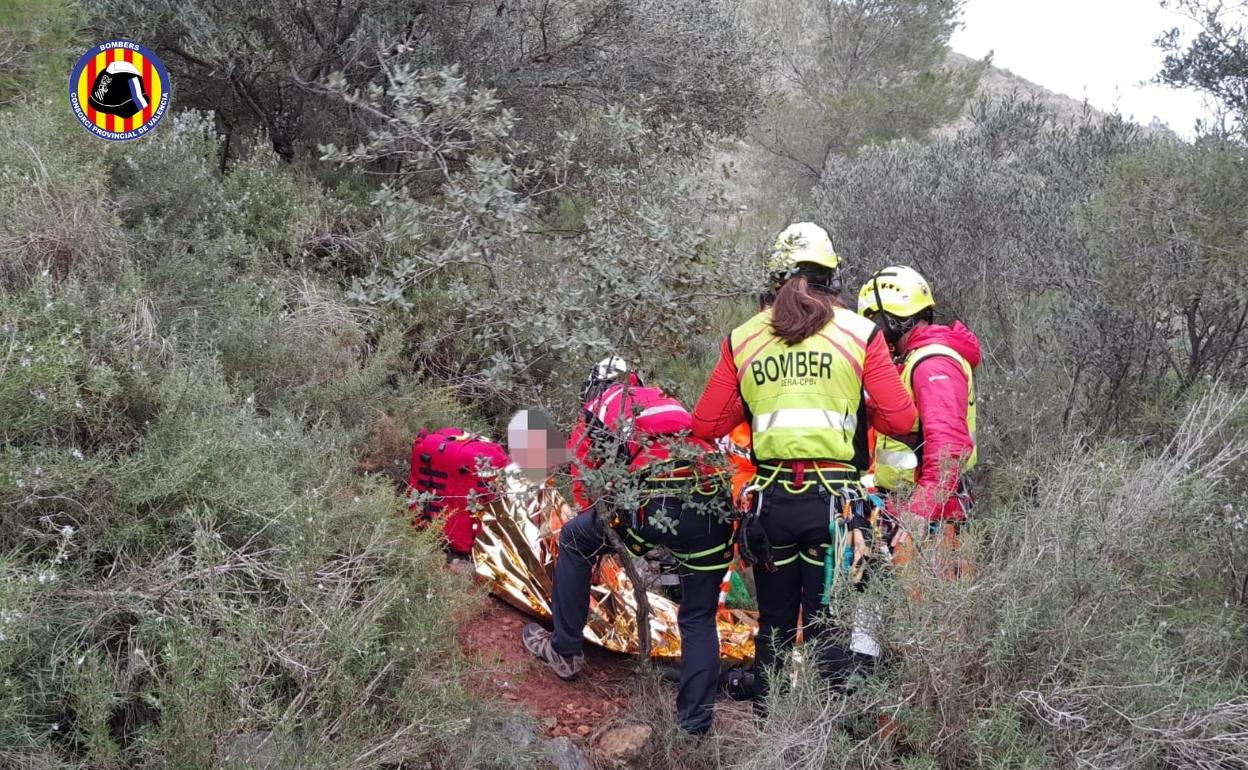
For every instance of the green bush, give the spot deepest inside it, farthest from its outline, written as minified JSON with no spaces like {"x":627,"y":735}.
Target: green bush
{"x":192,"y":572}
{"x":214,"y":355}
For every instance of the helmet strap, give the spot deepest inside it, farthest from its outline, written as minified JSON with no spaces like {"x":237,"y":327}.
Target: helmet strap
{"x":835,"y":284}
{"x":879,"y":301}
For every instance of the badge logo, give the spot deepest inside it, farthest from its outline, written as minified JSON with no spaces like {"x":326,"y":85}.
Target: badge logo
{"x":119,"y":90}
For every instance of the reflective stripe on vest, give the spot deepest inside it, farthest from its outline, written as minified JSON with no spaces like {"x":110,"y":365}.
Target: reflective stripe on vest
{"x":811,"y":419}
{"x":804,"y":398}
{"x":895,"y":462}
{"x":905,"y":459}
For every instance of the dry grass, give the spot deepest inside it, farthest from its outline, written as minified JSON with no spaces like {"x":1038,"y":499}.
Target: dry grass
{"x":56,"y":228}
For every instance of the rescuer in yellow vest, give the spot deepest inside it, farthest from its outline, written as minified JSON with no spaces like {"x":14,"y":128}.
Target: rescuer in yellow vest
{"x":797,"y":372}
{"x":937,"y":365}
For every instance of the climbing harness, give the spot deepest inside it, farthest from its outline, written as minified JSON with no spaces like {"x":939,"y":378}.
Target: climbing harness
{"x":799,"y":476}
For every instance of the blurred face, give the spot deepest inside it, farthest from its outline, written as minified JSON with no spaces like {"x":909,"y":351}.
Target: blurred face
{"x":535,"y":445}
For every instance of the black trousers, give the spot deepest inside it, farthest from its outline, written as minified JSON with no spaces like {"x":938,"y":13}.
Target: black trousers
{"x":582,"y":540}
{"x":797,"y":525}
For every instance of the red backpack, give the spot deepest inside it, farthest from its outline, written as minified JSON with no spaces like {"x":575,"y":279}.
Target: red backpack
{"x":446,"y":462}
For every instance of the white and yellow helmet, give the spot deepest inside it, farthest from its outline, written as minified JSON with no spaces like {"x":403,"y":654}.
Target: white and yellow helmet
{"x":900,"y":291}
{"x":802,"y":242}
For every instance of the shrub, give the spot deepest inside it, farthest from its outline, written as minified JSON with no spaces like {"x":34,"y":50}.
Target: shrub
{"x":534,"y":285}
{"x":1098,"y":625}
{"x":190,"y":572}
{"x":694,"y":57}
{"x":58,"y":214}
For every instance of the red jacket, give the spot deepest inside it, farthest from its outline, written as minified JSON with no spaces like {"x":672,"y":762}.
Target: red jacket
{"x":657,"y":419}
{"x":940,"y":392}
{"x":889,"y":408}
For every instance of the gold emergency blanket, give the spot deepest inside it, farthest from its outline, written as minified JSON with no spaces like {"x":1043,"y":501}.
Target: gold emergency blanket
{"x":515,"y":552}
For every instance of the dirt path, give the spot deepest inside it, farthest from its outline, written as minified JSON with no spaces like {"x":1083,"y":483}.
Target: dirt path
{"x":602,"y":691}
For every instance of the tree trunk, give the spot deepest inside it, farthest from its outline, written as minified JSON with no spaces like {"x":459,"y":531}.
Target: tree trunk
{"x":640,"y":595}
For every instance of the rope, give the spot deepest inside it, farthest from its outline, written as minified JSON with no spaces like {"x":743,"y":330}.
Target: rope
{"x":725,"y":587}
{"x":834,"y":564}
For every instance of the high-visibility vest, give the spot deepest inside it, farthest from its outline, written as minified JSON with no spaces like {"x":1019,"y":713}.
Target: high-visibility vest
{"x":896,"y":463}
{"x":804,"y":399}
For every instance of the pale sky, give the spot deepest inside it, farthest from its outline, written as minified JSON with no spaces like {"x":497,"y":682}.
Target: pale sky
{"x":1101,"y":50}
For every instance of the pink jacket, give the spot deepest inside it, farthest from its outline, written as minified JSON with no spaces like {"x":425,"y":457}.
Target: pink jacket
{"x":940,"y":393}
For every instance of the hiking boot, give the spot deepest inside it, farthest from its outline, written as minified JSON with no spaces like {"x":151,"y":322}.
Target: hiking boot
{"x":537,"y":641}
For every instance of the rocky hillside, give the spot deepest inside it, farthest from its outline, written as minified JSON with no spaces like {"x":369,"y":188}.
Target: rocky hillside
{"x":755,"y":179}
{"x":998,"y":83}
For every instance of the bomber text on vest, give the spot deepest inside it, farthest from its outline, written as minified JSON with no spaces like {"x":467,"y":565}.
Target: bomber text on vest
{"x":800,"y":367}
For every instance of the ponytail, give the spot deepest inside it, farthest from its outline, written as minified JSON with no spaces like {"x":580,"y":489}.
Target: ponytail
{"x":800,"y":311}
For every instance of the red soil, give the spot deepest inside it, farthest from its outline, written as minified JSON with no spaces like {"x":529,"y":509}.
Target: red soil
{"x":600,"y":692}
